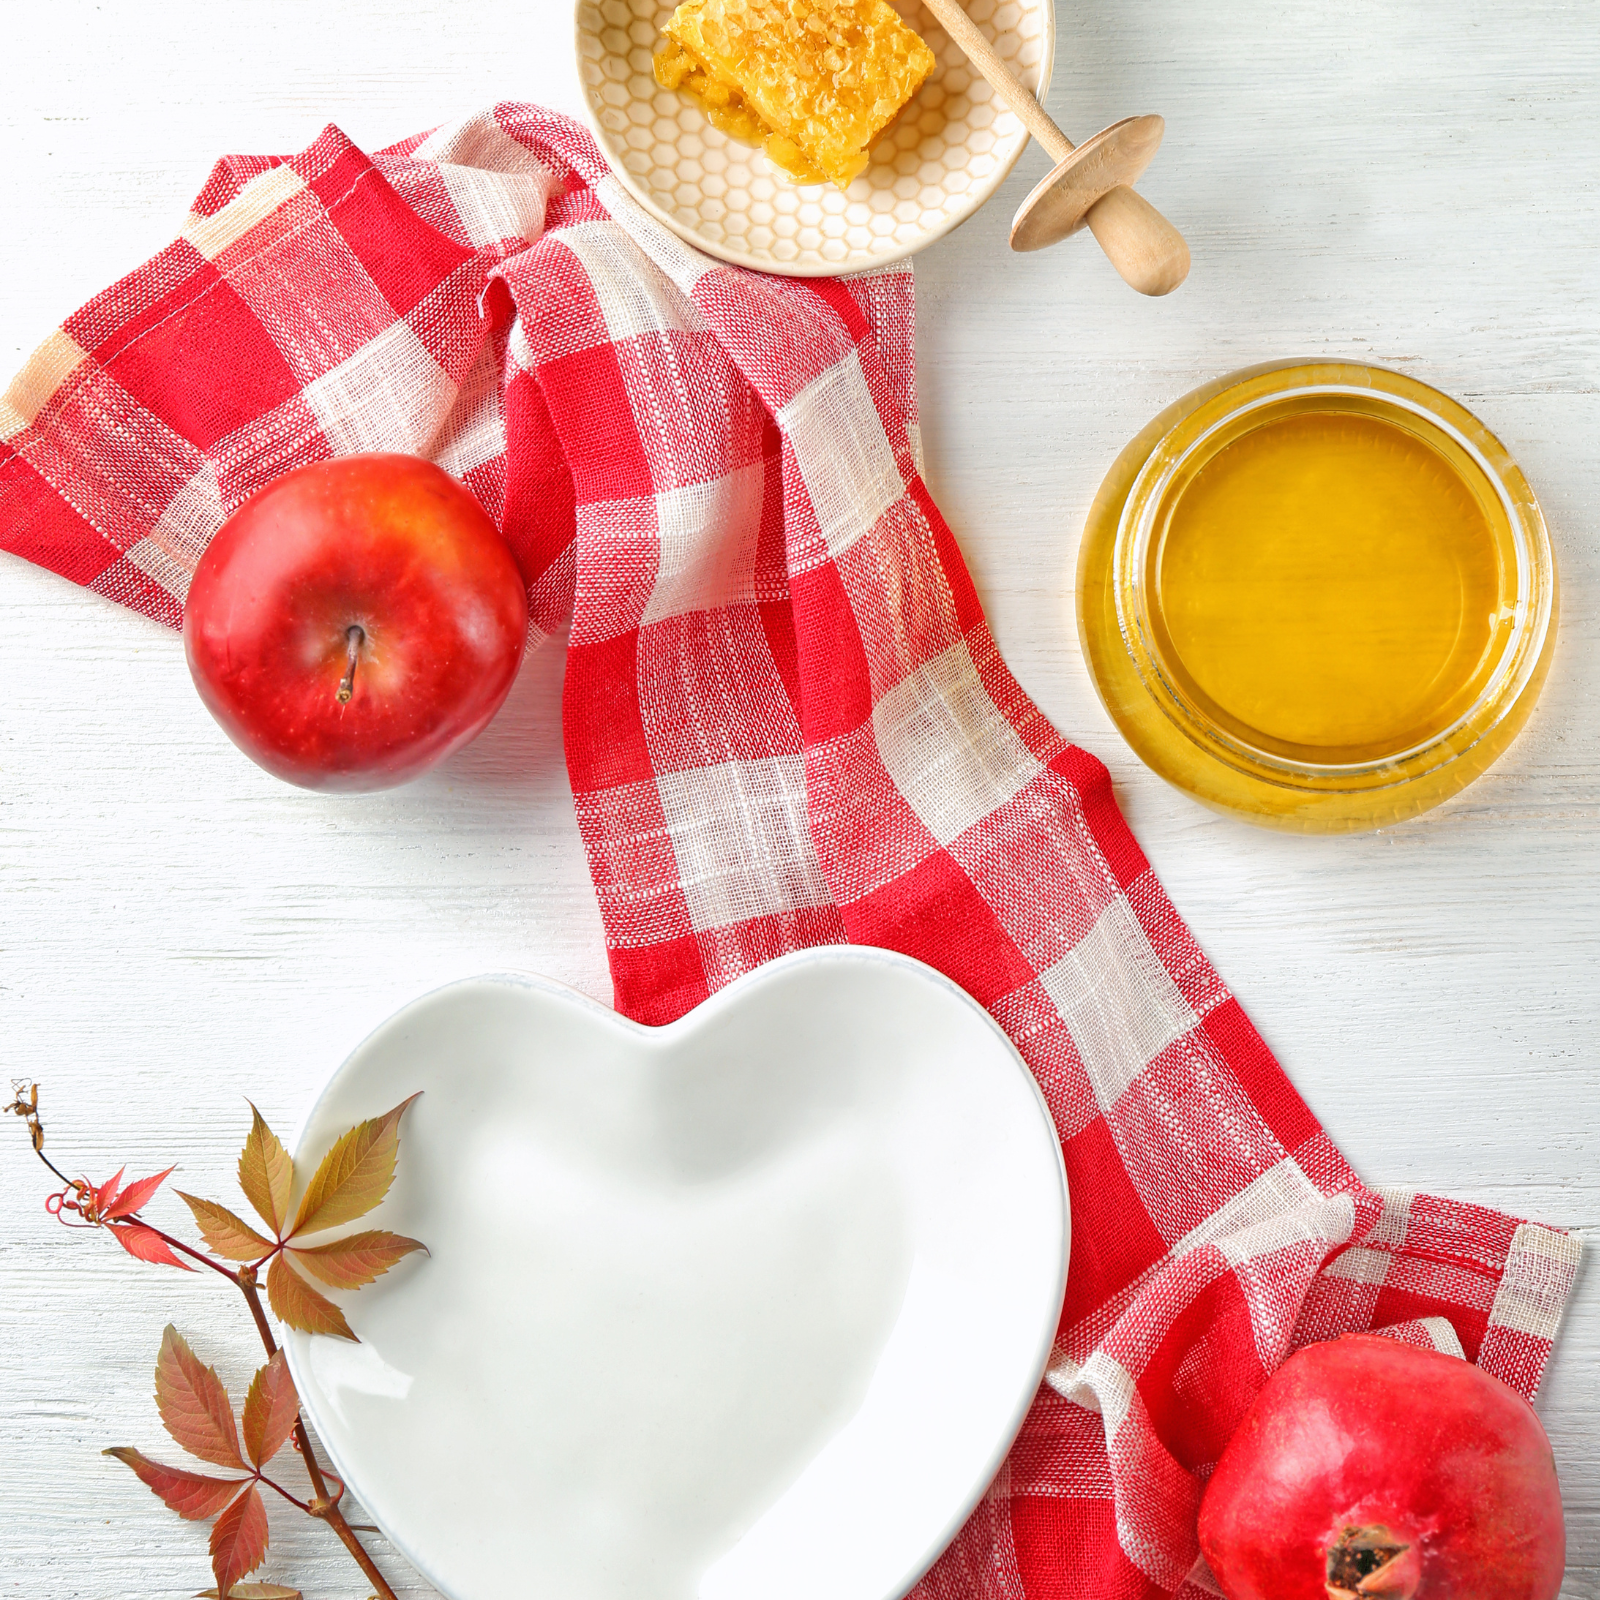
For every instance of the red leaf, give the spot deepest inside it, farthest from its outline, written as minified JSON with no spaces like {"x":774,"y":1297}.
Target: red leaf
{"x":270,"y":1410}
{"x":356,"y":1260}
{"x":134,"y":1196}
{"x":193,"y":1404}
{"x":188,"y":1493}
{"x":145,"y":1244}
{"x":239,"y":1540}
{"x":107,"y":1192}
{"x":298,"y":1304}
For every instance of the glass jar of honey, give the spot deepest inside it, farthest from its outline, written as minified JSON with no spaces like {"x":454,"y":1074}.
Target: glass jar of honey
{"x":1320,"y":596}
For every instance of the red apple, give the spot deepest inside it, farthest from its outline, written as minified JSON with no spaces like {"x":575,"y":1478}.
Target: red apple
{"x":355,"y":621}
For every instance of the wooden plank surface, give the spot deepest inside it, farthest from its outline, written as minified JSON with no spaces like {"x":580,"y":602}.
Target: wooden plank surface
{"x":1403,"y":181}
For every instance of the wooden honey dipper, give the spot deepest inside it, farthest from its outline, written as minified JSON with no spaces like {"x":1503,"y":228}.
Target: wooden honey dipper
{"x":1091,"y":182}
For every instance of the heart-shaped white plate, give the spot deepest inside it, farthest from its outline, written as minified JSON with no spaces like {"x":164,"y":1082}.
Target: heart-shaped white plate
{"x":749,"y":1307}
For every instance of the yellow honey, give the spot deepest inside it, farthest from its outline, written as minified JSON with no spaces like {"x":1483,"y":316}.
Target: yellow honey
{"x":814,"y":81}
{"x":1329,"y":587}
{"x":1319,"y":596}
{"x":724,"y":104}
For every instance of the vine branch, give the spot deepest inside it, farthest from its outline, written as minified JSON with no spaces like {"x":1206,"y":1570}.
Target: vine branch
{"x":80,"y":1196}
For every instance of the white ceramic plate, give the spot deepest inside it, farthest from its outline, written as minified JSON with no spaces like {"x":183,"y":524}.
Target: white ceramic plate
{"x":947,"y":152}
{"x":745,"y":1308}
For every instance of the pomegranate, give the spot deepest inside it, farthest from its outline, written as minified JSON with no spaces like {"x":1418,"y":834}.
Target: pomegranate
{"x":1368,"y":1469}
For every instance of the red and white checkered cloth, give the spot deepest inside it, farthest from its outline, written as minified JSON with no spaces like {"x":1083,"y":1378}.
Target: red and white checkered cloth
{"x":786,"y":724}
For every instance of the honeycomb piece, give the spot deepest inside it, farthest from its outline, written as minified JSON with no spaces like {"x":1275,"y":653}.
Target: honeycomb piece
{"x":823,"y":76}
{"x":725,"y":107}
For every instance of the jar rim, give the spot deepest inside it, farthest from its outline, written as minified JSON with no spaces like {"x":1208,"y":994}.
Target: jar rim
{"x":1202,"y":433}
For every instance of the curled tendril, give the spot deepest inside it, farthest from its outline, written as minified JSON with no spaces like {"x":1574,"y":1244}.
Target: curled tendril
{"x":325,"y":1507}
{"x":77,"y":1197}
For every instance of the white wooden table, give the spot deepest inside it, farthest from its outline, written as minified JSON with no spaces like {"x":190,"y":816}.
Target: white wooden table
{"x":1413,"y":182}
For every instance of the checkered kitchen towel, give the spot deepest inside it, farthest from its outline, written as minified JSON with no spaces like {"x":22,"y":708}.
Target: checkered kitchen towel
{"x":786,"y":724}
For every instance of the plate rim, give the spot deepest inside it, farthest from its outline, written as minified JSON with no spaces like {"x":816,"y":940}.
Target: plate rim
{"x":879,"y":259}
{"x":658,"y":1038}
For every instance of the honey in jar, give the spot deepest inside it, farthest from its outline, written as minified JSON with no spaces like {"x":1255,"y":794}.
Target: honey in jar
{"x":1321,"y":597}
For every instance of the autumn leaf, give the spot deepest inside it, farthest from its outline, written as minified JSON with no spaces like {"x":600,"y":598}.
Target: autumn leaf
{"x":356,"y":1260}
{"x":105,"y":1196}
{"x":253,"y":1591}
{"x":270,"y":1410}
{"x":239,"y":1539}
{"x":266,"y":1174}
{"x":134,"y":1196}
{"x":299,"y":1305}
{"x":193,"y":1404}
{"x":145,"y":1244}
{"x":225,"y":1234}
{"x":188,"y":1493}
{"x":354,"y":1175}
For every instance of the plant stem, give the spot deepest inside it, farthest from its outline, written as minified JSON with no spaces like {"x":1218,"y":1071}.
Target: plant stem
{"x":54,"y":1168}
{"x":323,"y":1505}
{"x":178,"y":1244}
{"x":354,"y":637}
{"x":261,"y":1477}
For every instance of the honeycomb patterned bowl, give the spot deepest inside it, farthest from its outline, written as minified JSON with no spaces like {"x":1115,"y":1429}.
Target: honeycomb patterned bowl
{"x":930,"y":169}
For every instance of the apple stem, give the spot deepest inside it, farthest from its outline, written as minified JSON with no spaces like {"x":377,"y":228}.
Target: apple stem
{"x":354,"y":635}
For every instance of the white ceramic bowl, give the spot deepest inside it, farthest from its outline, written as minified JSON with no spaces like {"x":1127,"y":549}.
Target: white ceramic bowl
{"x":946,"y":153}
{"x":745,"y":1308}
